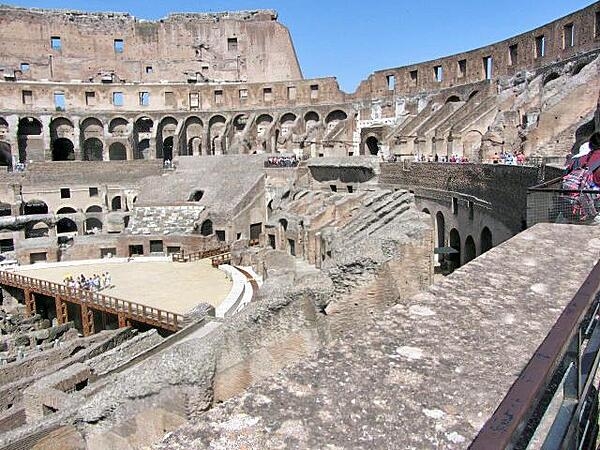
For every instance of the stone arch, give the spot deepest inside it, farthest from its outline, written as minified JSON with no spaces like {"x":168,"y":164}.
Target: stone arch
{"x":166,"y":129}
{"x":167,"y":148}
{"x":118,"y":126}
{"x":66,"y":210}
{"x":193,"y":131}
{"x":216,"y":133}
{"x":143,"y":149}
{"x":93,"y":209}
{"x":92,"y":149}
{"x":32,"y":207}
{"x":550,"y":77}
{"x":455,"y":244}
{"x":453,"y":99}
{"x":142,"y":130}
{"x":196,"y":196}
{"x":66,"y":225}
{"x":486,"y":240}
{"x":311,"y":117}
{"x":63,"y":150}
{"x":117,"y":152}
{"x":116,"y":203}
{"x":284,"y":224}
{"x":93,"y":225}
{"x":143,"y":124}
{"x":206,"y":229}
{"x":36,"y":230}
{"x":29,"y":136}
{"x":440,"y":225}
{"x":336,"y":116}
{"x":426,"y":211}
{"x":471,"y":144}
{"x":288,"y":117}
{"x":470,"y":250}
{"x":372,"y":144}
{"x":473,"y":94}
{"x":239,"y":123}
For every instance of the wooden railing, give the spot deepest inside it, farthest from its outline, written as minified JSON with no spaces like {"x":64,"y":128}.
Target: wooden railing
{"x":197,"y":256}
{"x":223,"y":258}
{"x":96,"y":301}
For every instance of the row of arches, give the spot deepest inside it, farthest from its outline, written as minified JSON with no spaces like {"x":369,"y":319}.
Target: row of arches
{"x":466,"y":251}
{"x":148,"y":138}
{"x":63,"y":226}
{"x":34,"y":206}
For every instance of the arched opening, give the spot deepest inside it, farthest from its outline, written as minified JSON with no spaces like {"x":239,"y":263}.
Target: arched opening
{"x":473,"y":94}
{"x":143,"y":149}
{"x":426,"y":211}
{"x":29,"y":136}
{"x":66,"y":225}
{"x":66,"y":210}
{"x":550,"y":77}
{"x":32,"y":207}
{"x":63,"y":150}
{"x":191,"y":142}
{"x":94,"y":209}
{"x":116,"y":203}
{"x":454,"y":258}
{"x":118,"y":127}
{"x":117,"y":152}
{"x":5,"y":153}
{"x":206,"y":229}
{"x":453,"y":99}
{"x":36,"y":230}
{"x":440,"y":223}
{"x":470,"y":251}
{"x":337,"y":115}
{"x":168,"y":149}
{"x":144,"y":125}
{"x":284,"y":224}
{"x":372,"y":145}
{"x":92,"y":149}
{"x":166,"y":129}
{"x":486,"y":240}
{"x":196,"y":196}
{"x":93,"y":226}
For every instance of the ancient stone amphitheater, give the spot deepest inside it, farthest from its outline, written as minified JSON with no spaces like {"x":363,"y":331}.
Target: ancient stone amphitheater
{"x":195,"y":139}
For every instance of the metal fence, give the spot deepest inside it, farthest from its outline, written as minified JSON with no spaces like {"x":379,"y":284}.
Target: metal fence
{"x":549,"y":203}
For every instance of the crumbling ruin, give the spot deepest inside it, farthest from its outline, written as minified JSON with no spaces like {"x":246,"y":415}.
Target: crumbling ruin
{"x":306,"y":196}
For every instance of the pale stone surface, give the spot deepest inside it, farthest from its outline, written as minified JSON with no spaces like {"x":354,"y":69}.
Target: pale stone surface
{"x":427,"y":381}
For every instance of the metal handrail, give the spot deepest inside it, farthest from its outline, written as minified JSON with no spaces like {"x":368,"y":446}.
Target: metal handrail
{"x":518,"y":415}
{"x":131,"y":309}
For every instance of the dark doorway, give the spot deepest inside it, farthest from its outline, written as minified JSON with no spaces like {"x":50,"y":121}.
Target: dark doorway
{"x":65,"y":225}
{"x":441,"y":229}
{"x":455,"y":244}
{"x":206,"y":229}
{"x":168,"y":149}
{"x":92,"y":149}
{"x":62,"y":150}
{"x":486,"y":240}
{"x":373,"y":145}
{"x":470,"y":251}
{"x":117,"y":152}
{"x":136,"y":250}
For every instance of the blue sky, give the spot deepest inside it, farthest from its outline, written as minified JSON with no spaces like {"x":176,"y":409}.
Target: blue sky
{"x":350,"y":39}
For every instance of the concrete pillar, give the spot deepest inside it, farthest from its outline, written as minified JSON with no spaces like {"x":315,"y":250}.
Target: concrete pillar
{"x":87,"y":320}
{"x":105,"y":142}
{"x":46,"y":139}
{"x":29,"y":302}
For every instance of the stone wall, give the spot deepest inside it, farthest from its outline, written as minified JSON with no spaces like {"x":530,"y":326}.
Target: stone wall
{"x":503,"y":187}
{"x":118,"y":47}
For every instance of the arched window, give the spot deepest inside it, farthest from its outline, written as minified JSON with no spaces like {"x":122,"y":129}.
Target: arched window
{"x":206,"y":229}
{"x":65,"y":225}
{"x":62,"y":150}
{"x":32,"y":207}
{"x":470,"y":251}
{"x":116,"y":203}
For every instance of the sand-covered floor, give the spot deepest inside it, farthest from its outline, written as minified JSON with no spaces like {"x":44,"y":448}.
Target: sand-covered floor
{"x":174,"y":287}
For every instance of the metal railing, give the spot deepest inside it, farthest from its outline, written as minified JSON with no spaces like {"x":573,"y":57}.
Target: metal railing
{"x":561,"y":373}
{"x":96,"y":301}
{"x":224,"y":258}
{"x":549,"y":203}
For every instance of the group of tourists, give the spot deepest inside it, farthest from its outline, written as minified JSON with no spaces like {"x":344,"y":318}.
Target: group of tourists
{"x":516,"y":158}
{"x":454,"y":159}
{"x":282,"y":161}
{"x":579,"y":199}
{"x":94,"y":283}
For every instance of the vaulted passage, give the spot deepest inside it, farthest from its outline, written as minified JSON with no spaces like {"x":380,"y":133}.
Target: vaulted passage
{"x":117,"y":152}
{"x":62,"y":150}
{"x":92,"y":149}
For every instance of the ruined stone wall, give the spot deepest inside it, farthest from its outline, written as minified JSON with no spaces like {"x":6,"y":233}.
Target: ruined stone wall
{"x":504,"y":187}
{"x":249,"y":46}
{"x":508,"y":57}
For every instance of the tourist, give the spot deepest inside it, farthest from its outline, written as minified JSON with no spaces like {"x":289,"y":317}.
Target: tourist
{"x":108,"y":280}
{"x":593,"y":157}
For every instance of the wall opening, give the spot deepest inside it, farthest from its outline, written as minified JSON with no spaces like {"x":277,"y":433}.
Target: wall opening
{"x":454,"y":258}
{"x":206,"y":229}
{"x":488,"y":64}
{"x":486,"y":240}
{"x":92,"y":149}
{"x":513,"y":54}
{"x":117,"y":152}
{"x":470,"y":252}
{"x":438,"y":73}
{"x":116,"y":203}
{"x":391,"y":82}
{"x":462,"y":68}
{"x":372,"y":145}
{"x":66,"y":225}
{"x":63,"y":150}
{"x":568,"y":36}
{"x":441,"y":229}
{"x":540,"y":46}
